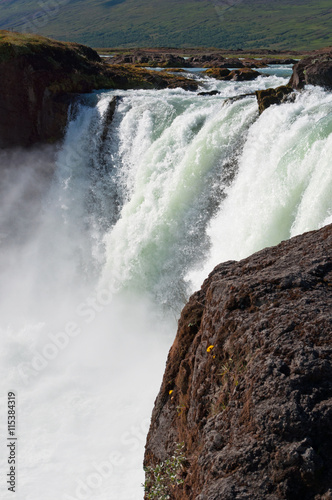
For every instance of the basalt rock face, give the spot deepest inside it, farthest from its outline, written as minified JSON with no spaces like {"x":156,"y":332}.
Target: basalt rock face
{"x":248,"y":380}
{"x":313,"y":70}
{"x":39,"y":77}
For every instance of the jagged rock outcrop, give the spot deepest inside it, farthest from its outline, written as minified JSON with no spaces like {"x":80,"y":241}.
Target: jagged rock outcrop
{"x":313,"y":70}
{"x":242,"y":74}
{"x":39,"y":77}
{"x":269,"y":61}
{"x":248,"y":380}
{"x":172,"y":60}
{"x":37,"y":74}
{"x":266,"y":98}
{"x":163,"y":60}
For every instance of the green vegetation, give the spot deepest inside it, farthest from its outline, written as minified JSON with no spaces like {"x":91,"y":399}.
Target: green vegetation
{"x":17,"y":44}
{"x":76,"y":68}
{"x":164,"y":477}
{"x":278,"y":24}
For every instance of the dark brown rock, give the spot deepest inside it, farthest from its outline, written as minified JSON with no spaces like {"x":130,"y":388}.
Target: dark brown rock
{"x":211,"y":92}
{"x":163,"y":60}
{"x":313,"y":70}
{"x":109,"y":117}
{"x":40,"y":76}
{"x":232,"y":63}
{"x":254,"y":63}
{"x":250,"y":372}
{"x":218,"y":73}
{"x":272,"y":62}
{"x":241,"y":74}
{"x":36,"y":76}
{"x":266,"y":98}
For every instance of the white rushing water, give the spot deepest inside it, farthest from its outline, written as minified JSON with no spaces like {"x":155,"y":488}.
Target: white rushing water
{"x":103,"y":240}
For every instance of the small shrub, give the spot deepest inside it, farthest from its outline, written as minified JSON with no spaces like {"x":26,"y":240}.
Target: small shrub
{"x":164,"y":477}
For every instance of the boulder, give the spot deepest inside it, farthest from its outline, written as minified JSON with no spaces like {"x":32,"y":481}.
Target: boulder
{"x":254,"y":63}
{"x":218,"y":73}
{"x":211,"y":92}
{"x":266,"y":98}
{"x":241,"y":74}
{"x":313,"y":70}
{"x":213,"y":60}
{"x":231,"y":63}
{"x":272,"y":62}
{"x":245,"y":404}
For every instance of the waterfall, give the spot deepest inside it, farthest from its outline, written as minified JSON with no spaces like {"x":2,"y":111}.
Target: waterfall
{"x":104,"y":238}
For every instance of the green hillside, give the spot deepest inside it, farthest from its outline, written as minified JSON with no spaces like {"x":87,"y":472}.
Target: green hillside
{"x":230,"y":24}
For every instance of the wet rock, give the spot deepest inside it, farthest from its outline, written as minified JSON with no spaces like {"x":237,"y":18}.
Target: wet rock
{"x":241,"y":74}
{"x":211,"y":92}
{"x":266,"y":98}
{"x":109,"y":116}
{"x":313,"y":70}
{"x":248,"y":380}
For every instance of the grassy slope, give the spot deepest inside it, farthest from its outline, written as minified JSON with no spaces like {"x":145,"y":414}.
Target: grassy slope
{"x":276,"y":24}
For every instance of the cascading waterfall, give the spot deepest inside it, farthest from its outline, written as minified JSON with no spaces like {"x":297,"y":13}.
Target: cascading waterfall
{"x":133,"y":218}
{"x":284,"y":181}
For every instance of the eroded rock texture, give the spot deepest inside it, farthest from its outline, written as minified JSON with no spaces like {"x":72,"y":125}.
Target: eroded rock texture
{"x":313,"y":70}
{"x":255,"y":410}
{"x":40,"y":77}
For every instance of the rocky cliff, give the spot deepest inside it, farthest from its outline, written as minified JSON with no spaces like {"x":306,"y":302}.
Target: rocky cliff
{"x":247,"y":391}
{"x":39,"y":76}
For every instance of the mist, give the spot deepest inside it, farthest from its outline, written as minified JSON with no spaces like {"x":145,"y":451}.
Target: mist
{"x":84,"y":361}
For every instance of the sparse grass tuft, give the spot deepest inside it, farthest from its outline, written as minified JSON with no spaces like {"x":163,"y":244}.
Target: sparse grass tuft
{"x":162,"y":479}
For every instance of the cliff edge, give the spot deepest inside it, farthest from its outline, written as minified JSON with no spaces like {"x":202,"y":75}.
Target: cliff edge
{"x":247,"y":391}
{"x":39,"y":77}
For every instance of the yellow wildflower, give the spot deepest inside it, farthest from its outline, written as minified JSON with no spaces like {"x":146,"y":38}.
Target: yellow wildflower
{"x":210,"y":348}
